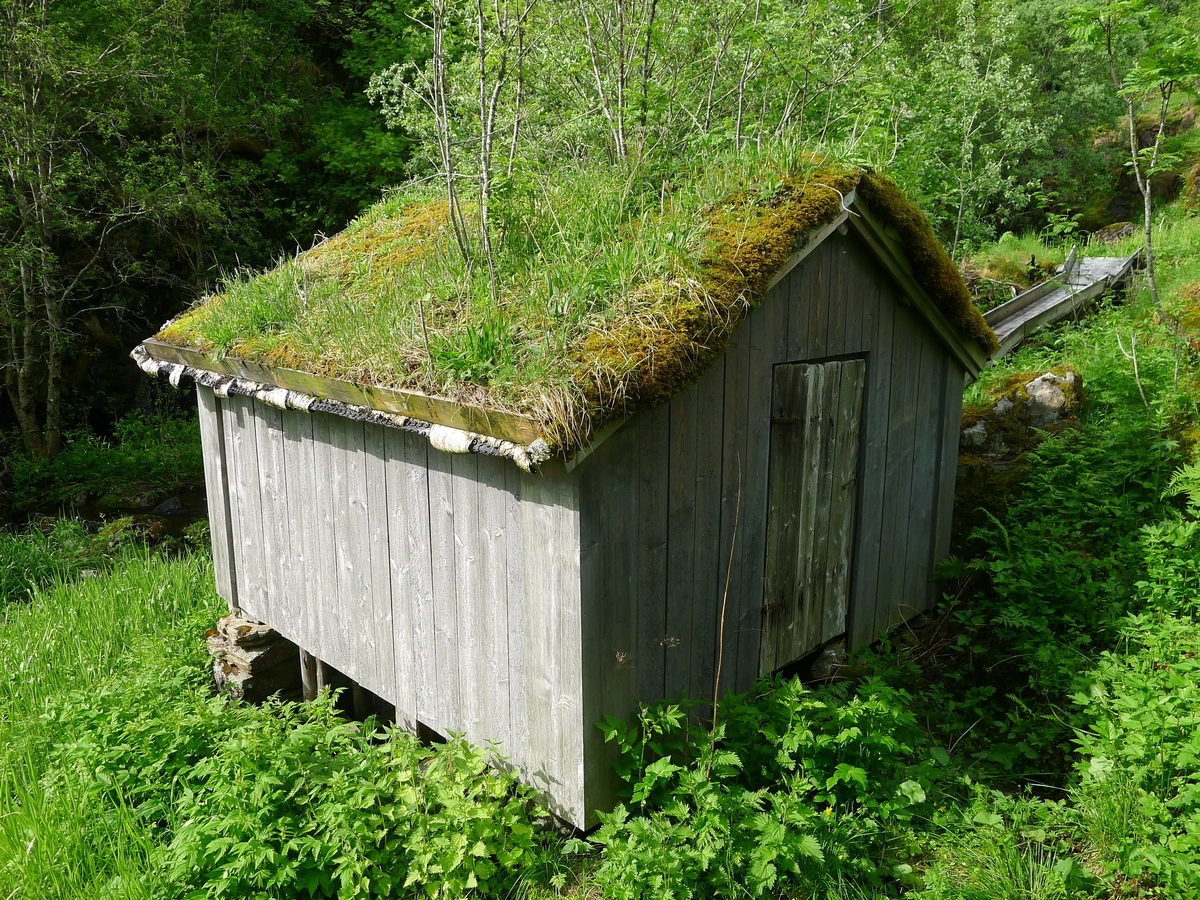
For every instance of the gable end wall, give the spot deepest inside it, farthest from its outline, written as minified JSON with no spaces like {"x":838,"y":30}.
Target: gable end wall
{"x":674,"y":504}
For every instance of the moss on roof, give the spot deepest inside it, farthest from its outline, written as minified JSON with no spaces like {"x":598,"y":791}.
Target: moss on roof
{"x":613,"y":292}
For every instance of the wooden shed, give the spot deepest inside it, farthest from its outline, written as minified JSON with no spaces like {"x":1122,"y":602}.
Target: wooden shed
{"x":796,"y":488}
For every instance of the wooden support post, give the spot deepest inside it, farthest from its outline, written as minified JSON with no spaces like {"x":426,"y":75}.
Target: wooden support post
{"x":324,"y":675}
{"x":308,"y":675}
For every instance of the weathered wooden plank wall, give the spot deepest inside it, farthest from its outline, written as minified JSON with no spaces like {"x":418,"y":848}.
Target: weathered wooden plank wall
{"x":705,"y":456}
{"x":447,"y":584}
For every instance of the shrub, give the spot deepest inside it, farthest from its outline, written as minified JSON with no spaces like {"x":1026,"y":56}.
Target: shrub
{"x":791,"y":788}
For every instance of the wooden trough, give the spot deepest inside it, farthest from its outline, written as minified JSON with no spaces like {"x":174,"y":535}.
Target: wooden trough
{"x":1077,"y":282}
{"x":797,"y":492}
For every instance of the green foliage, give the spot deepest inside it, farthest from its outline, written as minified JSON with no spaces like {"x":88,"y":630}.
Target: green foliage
{"x":793,"y":789}
{"x":149,"y":454}
{"x":1140,"y":743}
{"x":997,"y":847}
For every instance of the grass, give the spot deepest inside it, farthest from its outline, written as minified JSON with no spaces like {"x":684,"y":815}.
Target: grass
{"x":609,"y":289}
{"x":62,"y":836}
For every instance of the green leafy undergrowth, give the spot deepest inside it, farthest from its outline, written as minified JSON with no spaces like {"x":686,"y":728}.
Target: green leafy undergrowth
{"x":997,"y":846}
{"x":292,"y":801}
{"x":1045,"y":584}
{"x":791,"y":789}
{"x":1139,"y":743}
{"x":122,"y":775}
{"x":149,"y":454}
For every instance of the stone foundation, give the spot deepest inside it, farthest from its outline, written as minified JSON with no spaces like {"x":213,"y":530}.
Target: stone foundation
{"x":253,"y":661}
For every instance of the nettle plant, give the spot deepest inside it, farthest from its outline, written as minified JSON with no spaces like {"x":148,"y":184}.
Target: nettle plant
{"x":790,"y":787}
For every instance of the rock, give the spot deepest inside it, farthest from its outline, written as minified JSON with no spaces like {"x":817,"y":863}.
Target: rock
{"x":1111,"y":234}
{"x":282,"y":679}
{"x":245,"y":632}
{"x":1166,"y":185}
{"x":829,"y":662}
{"x":83,"y":498}
{"x":170,"y":507}
{"x":975,"y":436}
{"x":255,"y":659}
{"x":1047,"y":402}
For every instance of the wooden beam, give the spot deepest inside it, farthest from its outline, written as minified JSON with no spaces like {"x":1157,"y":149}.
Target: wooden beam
{"x":425,"y":407}
{"x":891,"y":254}
{"x":814,"y":240}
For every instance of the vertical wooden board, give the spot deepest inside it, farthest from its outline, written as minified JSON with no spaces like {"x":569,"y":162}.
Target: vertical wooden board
{"x":353,"y":654}
{"x":492,"y":667}
{"x":708,"y":552}
{"x":264,"y":420}
{"x":843,"y":508}
{"x":880,"y":296}
{"x":409,"y":565}
{"x":795,"y":294}
{"x":296,"y":441}
{"x":653,"y":429}
{"x":900,"y":450}
{"x":860,"y":293}
{"x":768,"y":337}
{"x":446,"y":713}
{"x":608,"y":578}
{"x":323,"y":571}
{"x":734,"y":535}
{"x":820,"y":310}
{"x":819,"y":450}
{"x":381,"y":622}
{"x":553,"y":639}
{"x":514,"y":546}
{"x":338,"y":606}
{"x":283,"y":582}
{"x":782,"y":541}
{"x":923,"y":498}
{"x":785,"y":534}
{"x":947,"y":468}
{"x":470,"y":605}
{"x":681,"y":542}
{"x":841,"y":304}
{"x":212,"y":441}
{"x":241,"y":443}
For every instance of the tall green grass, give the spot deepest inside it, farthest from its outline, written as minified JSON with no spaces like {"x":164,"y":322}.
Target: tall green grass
{"x":64,"y":837}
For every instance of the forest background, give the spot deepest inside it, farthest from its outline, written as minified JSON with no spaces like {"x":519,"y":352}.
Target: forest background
{"x":1039,"y":737}
{"x":153,"y":148}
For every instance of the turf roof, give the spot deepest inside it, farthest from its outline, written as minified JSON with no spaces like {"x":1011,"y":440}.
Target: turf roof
{"x":613,"y":293}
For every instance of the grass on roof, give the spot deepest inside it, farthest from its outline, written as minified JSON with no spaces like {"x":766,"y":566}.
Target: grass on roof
{"x":615,"y":287}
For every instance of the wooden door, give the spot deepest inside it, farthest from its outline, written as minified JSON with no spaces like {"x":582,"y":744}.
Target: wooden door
{"x":815,"y":413}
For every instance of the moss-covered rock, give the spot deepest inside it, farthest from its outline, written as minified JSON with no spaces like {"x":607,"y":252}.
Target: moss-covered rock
{"x":997,"y":436}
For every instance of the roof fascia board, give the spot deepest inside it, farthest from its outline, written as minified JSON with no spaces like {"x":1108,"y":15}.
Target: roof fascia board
{"x":435,"y":410}
{"x":815,"y":239}
{"x":869,"y":227}
{"x":594,"y":444}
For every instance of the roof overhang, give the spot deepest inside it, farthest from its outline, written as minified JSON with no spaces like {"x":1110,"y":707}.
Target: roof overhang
{"x":449,"y":426}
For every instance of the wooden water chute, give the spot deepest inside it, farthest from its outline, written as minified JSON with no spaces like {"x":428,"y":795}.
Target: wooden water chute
{"x":799,"y":489}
